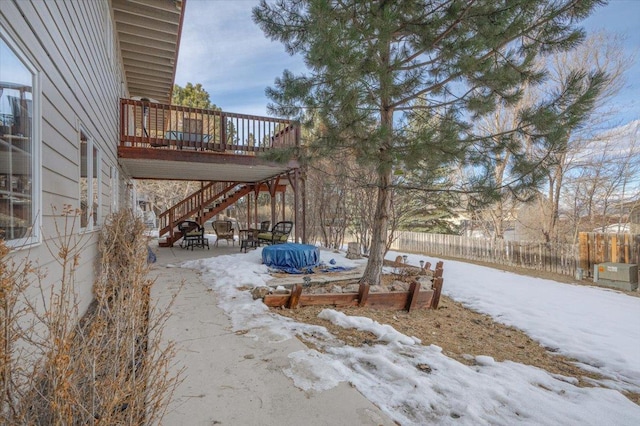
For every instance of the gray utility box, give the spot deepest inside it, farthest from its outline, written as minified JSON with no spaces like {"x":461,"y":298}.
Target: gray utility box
{"x":623,"y":276}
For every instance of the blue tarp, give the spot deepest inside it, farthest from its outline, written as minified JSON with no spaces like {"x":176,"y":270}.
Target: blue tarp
{"x":336,"y":268}
{"x":291,"y":258}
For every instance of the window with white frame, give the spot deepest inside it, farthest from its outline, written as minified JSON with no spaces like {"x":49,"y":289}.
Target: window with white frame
{"x":19,"y":146}
{"x":90,"y":183}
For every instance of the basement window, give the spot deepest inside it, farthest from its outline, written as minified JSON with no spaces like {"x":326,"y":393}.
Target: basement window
{"x":90,"y":183}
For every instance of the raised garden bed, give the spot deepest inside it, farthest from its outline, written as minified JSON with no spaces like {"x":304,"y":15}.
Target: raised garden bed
{"x":423,"y":292}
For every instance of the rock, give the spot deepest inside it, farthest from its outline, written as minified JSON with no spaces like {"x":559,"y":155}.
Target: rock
{"x":281,"y":290}
{"x":399,"y":286}
{"x":425,"y":282}
{"x":319,"y":290}
{"x":260,"y":292}
{"x":352,"y":288}
{"x":424,"y":367}
{"x":378,"y":289}
{"x":336,"y":289}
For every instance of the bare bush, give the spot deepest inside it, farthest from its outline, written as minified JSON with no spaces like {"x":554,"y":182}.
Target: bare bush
{"x":108,"y":367}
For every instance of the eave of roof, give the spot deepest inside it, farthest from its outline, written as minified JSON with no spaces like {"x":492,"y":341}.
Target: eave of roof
{"x":149,"y":39}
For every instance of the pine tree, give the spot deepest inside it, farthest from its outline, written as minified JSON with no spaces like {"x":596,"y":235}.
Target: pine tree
{"x":376,"y":64}
{"x":191,"y":96}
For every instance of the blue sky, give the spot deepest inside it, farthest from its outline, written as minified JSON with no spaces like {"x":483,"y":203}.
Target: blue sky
{"x":223,"y":49}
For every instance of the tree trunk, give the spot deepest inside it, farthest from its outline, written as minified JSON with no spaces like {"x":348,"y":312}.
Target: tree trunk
{"x":373,"y":270}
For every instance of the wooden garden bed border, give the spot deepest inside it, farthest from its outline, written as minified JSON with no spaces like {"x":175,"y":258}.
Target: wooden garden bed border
{"x":408,"y":300}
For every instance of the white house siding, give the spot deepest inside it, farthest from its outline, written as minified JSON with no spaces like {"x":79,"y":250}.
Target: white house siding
{"x":72,"y":45}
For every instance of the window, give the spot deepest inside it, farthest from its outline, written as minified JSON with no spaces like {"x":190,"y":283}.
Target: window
{"x":90,"y":183}
{"x":19,"y":168}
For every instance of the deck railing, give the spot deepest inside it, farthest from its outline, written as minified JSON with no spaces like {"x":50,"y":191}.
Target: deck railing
{"x":144,"y":124}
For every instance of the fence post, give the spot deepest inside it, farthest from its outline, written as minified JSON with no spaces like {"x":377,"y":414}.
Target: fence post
{"x":412,"y":298}
{"x":437,"y":285}
{"x":363,"y":294}
{"x":294,"y":298}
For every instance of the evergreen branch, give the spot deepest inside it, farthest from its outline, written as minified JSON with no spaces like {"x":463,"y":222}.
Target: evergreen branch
{"x":519,"y":34}
{"x":416,"y":65}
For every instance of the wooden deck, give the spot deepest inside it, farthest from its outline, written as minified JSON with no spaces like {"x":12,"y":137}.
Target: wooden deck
{"x":160,"y":141}
{"x":145,"y":124}
{"x":220,"y":149}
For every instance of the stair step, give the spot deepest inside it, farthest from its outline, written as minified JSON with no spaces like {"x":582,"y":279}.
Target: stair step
{"x":215,"y":206}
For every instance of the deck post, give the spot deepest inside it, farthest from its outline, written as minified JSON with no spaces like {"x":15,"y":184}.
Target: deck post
{"x":296,"y":203}
{"x":256,"y":192}
{"x":273,"y":209}
{"x":272,"y":185}
{"x":248,"y":210}
{"x":303,"y":192}
{"x":283,"y":200}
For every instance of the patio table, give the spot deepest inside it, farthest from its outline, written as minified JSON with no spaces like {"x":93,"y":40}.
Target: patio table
{"x":248,"y":238}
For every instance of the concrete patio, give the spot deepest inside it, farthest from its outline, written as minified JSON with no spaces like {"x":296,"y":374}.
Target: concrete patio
{"x":233,"y":379}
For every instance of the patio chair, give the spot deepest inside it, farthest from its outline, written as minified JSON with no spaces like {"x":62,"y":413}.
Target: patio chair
{"x":279,"y":234}
{"x":192,"y":235}
{"x":224,"y":231}
{"x":265,"y":225}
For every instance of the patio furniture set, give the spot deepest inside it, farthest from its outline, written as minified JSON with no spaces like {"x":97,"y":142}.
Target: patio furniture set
{"x":252,"y":238}
{"x":193,"y":234}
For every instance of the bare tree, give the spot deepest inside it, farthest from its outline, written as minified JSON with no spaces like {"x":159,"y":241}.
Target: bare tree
{"x":163,"y":194}
{"x":603,"y":52}
{"x":600,"y":53}
{"x":337,"y":189}
{"x":493,"y":217}
{"x":604,"y":181}
{"x":327,"y":187}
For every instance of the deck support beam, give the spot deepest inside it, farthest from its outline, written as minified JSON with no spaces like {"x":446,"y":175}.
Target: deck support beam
{"x":296,"y":204}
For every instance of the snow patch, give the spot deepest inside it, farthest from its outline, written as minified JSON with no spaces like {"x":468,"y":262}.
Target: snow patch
{"x":416,"y":384}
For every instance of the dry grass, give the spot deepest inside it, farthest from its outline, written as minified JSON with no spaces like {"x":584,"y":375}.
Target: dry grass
{"x":105,"y":368}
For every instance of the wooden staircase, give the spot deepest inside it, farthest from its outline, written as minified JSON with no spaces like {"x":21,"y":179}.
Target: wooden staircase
{"x":200,"y":206}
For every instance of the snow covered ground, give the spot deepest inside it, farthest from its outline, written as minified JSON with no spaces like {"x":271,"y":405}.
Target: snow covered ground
{"x":416,"y":384}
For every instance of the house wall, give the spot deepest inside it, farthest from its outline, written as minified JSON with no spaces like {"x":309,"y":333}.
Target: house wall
{"x":72,"y":44}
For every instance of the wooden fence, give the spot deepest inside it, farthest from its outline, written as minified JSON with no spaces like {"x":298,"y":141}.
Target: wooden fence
{"x":598,"y":248}
{"x":559,"y":258}
{"x":564,"y":259}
